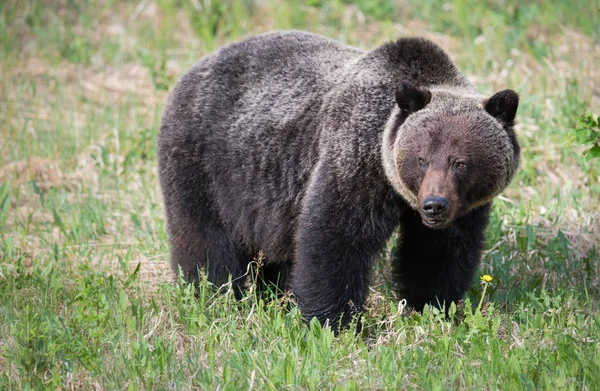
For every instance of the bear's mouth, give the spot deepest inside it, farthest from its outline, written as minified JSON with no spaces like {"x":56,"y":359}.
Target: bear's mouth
{"x":435,"y":223}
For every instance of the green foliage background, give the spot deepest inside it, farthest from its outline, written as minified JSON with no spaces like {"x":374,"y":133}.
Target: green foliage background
{"x":86,"y":295}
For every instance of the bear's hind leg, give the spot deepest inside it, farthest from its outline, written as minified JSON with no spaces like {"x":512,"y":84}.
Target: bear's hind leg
{"x":199,"y":241}
{"x":209,"y":248}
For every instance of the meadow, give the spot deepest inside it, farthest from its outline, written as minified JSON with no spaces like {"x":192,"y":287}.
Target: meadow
{"x":87,"y":297}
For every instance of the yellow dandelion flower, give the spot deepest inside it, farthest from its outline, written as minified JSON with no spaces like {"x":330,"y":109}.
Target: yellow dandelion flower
{"x":487,"y":278}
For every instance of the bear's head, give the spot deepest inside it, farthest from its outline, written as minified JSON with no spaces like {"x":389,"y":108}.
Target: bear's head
{"x":447,"y":151}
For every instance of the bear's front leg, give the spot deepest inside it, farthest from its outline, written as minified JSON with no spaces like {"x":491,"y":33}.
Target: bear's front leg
{"x":436,"y":266}
{"x":337,"y":240}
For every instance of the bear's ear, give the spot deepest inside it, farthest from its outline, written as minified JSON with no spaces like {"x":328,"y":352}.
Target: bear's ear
{"x":503,"y":106}
{"x":411,"y":98}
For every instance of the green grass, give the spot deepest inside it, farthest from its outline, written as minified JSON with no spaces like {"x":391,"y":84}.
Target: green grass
{"x":87,"y":299}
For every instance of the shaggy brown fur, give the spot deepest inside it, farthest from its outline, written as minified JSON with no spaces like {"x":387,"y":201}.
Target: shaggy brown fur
{"x":314,"y":152}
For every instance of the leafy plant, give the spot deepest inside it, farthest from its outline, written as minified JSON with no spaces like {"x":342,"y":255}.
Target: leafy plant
{"x":587,"y":132}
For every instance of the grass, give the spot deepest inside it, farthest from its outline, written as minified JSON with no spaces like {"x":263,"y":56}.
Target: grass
{"x":87,"y":297}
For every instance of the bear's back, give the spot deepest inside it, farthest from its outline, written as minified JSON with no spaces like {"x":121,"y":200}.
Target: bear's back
{"x":284,"y":53}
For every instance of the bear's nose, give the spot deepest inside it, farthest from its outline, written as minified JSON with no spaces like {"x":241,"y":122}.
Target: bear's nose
{"x":435,"y":207}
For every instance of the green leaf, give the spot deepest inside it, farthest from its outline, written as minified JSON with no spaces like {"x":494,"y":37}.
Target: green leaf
{"x":593,"y":152}
{"x":133,"y":275}
{"x":57,"y":220}
{"x":530,"y":237}
{"x":587,"y":133}
{"x":105,"y":158}
{"x":5,"y":203}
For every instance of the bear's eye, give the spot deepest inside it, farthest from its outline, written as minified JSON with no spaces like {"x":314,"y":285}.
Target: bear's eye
{"x":422,"y":162}
{"x":460,"y":165}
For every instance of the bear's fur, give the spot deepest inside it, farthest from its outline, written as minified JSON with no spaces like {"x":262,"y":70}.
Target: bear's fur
{"x":314,"y":152}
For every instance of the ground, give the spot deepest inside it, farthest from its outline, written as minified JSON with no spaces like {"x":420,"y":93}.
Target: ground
{"x":86,"y":294}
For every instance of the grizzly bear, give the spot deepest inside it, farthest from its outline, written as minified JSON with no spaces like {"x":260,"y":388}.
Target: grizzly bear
{"x":314,"y":153}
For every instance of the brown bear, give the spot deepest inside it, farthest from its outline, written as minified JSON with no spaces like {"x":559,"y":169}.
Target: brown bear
{"x":314,"y":153}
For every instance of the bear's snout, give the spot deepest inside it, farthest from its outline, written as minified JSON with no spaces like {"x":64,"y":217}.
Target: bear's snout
{"x":437,"y":198}
{"x":435,"y":211}
{"x":436,"y":207}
